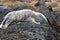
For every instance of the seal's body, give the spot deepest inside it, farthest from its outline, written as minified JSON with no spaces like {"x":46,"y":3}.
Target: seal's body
{"x":22,"y":15}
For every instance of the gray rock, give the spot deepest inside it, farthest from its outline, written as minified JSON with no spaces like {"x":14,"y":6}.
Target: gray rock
{"x":24,"y":0}
{"x":40,"y":3}
{"x":57,"y":16}
{"x":26,"y":30}
{"x":21,"y":7}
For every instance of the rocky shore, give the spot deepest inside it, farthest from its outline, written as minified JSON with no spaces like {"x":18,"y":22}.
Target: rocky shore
{"x":29,"y":31}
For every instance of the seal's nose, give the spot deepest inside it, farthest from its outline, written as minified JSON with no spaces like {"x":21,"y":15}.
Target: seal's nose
{"x":4,"y":26}
{"x":1,"y":26}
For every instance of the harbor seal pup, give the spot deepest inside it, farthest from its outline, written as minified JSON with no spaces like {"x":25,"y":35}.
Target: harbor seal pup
{"x":22,"y":15}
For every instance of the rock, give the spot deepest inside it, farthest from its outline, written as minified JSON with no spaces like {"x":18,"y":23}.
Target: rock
{"x":5,"y":9}
{"x":26,"y":30}
{"x":57,"y":16}
{"x":21,"y":7}
{"x":25,"y":0}
{"x":40,"y":3}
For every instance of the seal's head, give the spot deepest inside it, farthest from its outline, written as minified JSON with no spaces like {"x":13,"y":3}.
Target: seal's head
{"x":3,"y":26}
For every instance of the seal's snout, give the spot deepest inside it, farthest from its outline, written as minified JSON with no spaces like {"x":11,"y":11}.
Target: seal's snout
{"x":1,"y":26}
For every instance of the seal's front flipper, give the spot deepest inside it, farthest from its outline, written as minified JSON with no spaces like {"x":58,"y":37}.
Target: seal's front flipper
{"x":32,"y":20}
